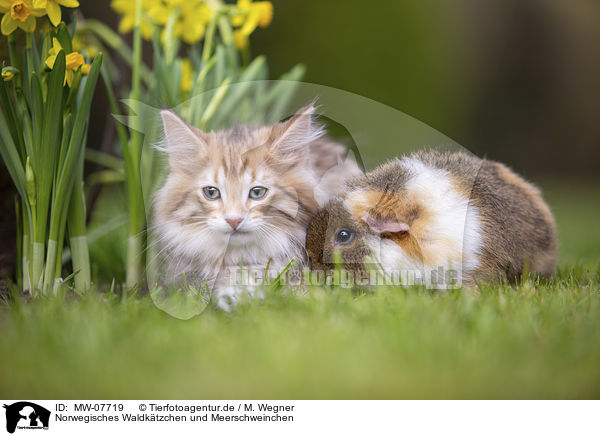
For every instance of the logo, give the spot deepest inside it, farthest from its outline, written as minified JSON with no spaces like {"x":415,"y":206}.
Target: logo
{"x":26,"y":415}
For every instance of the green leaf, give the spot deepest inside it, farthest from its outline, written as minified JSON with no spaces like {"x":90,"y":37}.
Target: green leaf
{"x":46,"y":151}
{"x":64,"y":37}
{"x":11,"y":118}
{"x":64,"y":144}
{"x":36,"y":54}
{"x":282,"y":92}
{"x":106,"y":177}
{"x":240,"y":89}
{"x":121,"y":131}
{"x":79,"y":126}
{"x":220,"y":67}
{"x":27,"y":130}
{"x":104,"y":159}
{"x":214,"y":103}
{"x":11,"y":158}
{"x":37,"y":109}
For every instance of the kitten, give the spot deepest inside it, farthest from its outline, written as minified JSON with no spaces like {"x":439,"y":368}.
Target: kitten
{"x":242,"y":196}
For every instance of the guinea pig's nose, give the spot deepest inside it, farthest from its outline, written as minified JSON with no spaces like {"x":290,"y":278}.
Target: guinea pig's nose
{"x":234,"y":222}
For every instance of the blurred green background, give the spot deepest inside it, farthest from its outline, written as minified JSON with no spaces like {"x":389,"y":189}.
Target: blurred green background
{"x":516,"y":80}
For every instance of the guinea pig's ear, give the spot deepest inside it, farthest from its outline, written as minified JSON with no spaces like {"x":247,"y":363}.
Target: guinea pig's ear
{"x":385,"y":225}
{"x":290,"y":139}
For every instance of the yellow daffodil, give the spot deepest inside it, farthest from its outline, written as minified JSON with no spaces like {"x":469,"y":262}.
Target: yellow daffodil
{"x":190,"y":26}
{"x":52,"y":8}
{"x":240,"y":40}
{"x":159,"y":10}
{"x":191,"y":23}
{"x":8,"y":73}
{"x":79,"y":44}
{"x":249,"y":16}
{"x":126,"y":8}
{"x":18,"y":13}
{"x":186,"y":76}
{"x":262,"y":13}
{"x":91,"y":51}
{"x":74,"y":61}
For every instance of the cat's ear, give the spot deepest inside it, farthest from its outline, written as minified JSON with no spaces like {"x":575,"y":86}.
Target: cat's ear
{"x":182,"y":142}
{"x":291,"y":138}
{"x":385,"y":225}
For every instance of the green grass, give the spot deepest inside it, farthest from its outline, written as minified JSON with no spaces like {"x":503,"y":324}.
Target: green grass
{"x":541,"y":340}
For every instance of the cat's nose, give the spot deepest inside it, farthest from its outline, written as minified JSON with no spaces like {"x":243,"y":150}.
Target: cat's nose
{"x":234,"y":222}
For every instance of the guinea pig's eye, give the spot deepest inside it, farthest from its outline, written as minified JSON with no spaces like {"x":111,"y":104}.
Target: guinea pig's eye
{"x":211,"y":193}
{"x":257,"y":192}
{"x":343,"y":236}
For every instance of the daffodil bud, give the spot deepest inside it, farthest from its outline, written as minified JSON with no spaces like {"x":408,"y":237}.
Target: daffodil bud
{"x":30,"y":183}
{"x":8,"y":73}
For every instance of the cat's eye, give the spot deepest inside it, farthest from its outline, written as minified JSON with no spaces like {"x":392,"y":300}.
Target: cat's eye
{"x":211,"y":193}
{"x":343,"y":236}
{"x":257,"y":192}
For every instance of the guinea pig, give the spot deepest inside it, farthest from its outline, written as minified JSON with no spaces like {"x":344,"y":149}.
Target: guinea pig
{"x":449,"y":219}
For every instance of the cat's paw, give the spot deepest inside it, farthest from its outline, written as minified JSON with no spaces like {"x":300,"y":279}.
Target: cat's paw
{"x":228,"y":298}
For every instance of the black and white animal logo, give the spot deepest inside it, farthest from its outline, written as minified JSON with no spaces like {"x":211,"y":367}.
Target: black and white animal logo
{"x":26,"y":415}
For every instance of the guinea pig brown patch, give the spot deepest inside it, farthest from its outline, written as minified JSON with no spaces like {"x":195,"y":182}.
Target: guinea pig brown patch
{"x":403,"y":207}
{"x":361,"y":202}
{"x":316,"y":236}
{"x":410,"y":245}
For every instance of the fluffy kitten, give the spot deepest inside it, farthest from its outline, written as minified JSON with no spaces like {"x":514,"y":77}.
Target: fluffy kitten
{"x":242,"y":196}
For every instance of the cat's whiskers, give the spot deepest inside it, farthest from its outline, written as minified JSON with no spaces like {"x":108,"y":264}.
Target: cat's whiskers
{"x":293,"y":237}
{"x":269,"y":237}
{"x":270,"y":231}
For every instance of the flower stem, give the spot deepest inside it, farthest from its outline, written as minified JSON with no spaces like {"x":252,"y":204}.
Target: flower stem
{"x":114,"y":41}
{"x":77,"y":234}
{"x":38,"y":267}
{"x":50,"y":271}
{"x":19,"y":228}
{"x":29,"y":54}
{"x":132,"y":156}
{"x":14,"y":57}
{"x":208,"y":41}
